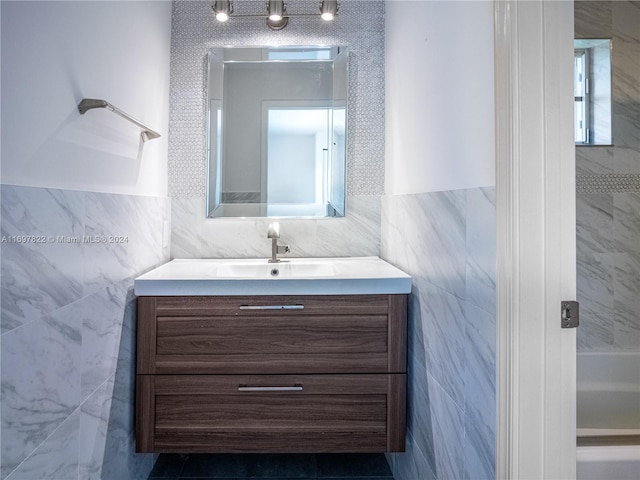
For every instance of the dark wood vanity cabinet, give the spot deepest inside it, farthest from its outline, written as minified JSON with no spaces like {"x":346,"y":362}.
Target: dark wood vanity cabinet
{"x":271,"y":374}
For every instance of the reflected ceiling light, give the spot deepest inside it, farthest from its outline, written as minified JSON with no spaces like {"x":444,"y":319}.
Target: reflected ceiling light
{"x":277,"y":24}
{"x":277,"y":16}
{"x":223,"y":10}
{"x":328,"y":9}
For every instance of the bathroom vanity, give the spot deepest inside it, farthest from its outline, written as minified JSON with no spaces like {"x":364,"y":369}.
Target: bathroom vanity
{"x":315,"y":364}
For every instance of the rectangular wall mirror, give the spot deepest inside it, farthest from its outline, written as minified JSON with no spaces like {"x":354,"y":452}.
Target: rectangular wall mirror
{"x":592,"y":91}
{"x":277,"y":131}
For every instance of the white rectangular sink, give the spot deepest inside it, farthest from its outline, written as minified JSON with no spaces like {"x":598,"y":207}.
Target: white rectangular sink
{"x":282,"y":269}
{"x":296,"y":276}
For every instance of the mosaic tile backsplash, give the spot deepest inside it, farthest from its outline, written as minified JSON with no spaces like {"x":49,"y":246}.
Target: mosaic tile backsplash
{"x":359,"y":25}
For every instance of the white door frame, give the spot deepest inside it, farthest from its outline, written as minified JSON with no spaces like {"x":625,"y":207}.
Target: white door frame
{"x":535,"y":184}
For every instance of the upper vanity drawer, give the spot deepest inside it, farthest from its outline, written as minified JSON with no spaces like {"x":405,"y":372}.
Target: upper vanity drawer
{"x":269,"y":305}
{"x":272,"y":334}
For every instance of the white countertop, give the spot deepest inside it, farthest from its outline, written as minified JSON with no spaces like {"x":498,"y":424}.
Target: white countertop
{"x":294,"y":276}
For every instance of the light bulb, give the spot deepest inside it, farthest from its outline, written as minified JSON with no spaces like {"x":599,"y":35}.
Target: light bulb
{"x":328,"y":10}
{"x":275,"y":10}
{"x":222,"y":9}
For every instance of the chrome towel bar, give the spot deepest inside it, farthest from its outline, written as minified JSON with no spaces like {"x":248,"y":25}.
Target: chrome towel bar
{"x":90,"y":103}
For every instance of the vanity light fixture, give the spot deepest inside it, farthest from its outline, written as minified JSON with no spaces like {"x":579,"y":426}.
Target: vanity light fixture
{"x":277,"y":16}
{"x":276,"y":11}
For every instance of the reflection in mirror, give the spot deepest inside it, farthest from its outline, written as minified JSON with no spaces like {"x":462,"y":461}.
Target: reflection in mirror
{"x":277,"y":132}
{"x":592,"y":92}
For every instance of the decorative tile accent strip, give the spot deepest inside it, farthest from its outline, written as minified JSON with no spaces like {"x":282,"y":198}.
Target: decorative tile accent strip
{"x":359,"y":24}
{"x":608,"y":183}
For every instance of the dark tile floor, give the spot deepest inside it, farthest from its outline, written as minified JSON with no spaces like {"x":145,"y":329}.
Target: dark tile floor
{"x":360,"y":466}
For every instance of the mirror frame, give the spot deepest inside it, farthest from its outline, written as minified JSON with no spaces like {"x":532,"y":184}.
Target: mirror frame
{"x":334,"y":199}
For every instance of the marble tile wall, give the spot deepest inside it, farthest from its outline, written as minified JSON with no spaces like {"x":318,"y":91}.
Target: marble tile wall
{"x":194,"y":236}
{"x":608,"y":217}
{"x":67,"y":316}
{"x":447,"y":242}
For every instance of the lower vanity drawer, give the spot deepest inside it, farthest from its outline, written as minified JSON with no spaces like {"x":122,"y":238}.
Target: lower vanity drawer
{"x":271,"y":413}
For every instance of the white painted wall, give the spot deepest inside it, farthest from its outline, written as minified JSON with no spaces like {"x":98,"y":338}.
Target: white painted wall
{"x":439,"y":95}
{"x":55,"y":53}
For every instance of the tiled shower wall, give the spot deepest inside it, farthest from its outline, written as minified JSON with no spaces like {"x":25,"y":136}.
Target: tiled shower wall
{"x":360,"y":25}
{"x":608,"y":186}
{"x":447,"y":242}
{"x":68,"y":330}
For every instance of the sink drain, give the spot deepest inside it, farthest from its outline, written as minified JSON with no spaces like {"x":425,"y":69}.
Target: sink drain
{"x":275,"y":272}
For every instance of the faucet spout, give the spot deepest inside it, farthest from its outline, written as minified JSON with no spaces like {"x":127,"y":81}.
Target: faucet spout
{"x":273,"y":231}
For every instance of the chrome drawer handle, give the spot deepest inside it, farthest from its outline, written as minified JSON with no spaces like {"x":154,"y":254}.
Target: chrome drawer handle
{"x":271,"y":307}
{"x":293,"y":388}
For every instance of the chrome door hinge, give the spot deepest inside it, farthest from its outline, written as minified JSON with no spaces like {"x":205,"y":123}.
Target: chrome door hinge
{"x":570,"y":314}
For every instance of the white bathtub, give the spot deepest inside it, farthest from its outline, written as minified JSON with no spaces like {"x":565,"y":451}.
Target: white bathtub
{"x":608,"y":405}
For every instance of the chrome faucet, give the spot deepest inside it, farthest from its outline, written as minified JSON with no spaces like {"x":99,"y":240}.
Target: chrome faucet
{"x":273,"y":232}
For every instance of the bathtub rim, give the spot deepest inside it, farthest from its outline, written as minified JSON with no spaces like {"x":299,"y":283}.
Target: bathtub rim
{"x":608,"y":453}
{"x":606,"y":432}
